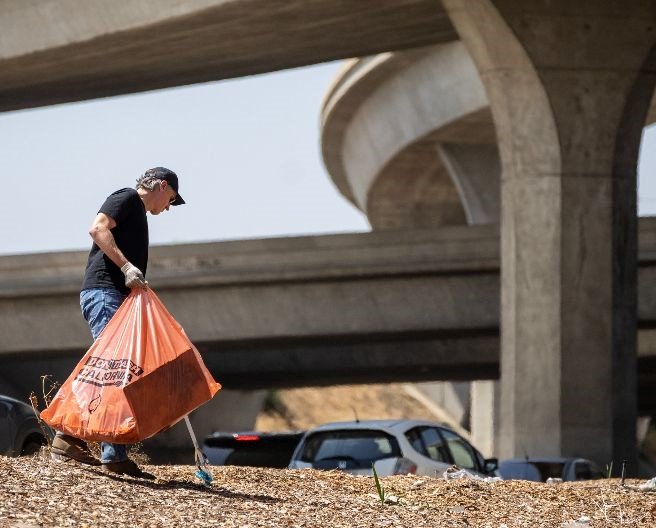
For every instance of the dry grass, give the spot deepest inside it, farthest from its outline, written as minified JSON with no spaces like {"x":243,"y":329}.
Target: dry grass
{"x":39,"y":492}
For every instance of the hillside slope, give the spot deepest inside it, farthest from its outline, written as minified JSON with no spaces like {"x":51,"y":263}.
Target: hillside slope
{"x":308,"y":407}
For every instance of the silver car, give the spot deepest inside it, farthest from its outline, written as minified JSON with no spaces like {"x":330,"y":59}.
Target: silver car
{"x":393,"y":446}
{"x":20,"y":433}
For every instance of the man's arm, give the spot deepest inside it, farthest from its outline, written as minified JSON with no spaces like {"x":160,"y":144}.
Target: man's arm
{"x":102,"y":236}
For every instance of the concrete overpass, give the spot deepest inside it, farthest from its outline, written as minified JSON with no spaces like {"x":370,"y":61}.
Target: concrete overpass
{"x":568,"y":85}
{"x":410,"y":160}
{"x":357,"y":308}
{"x":287,"y":311}
{"x":404,"y":159}
{"x":55,"y":51}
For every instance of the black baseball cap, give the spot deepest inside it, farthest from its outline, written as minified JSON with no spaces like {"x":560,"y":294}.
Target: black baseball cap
{"x":169,"y":176}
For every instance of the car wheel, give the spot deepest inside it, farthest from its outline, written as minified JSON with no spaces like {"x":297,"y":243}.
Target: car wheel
{"x":31,"y":446}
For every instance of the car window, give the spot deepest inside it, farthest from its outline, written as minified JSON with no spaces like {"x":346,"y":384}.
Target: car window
{"x":414,"y":439}
{"x":251,"y":448}
{"x":461,"y":452}
{"x":587,"y":471}
{"x":522,"y":470}
{"x":537,"y":471}
{"x":435,"y":445}
{"x":428,"y":442}
{"x":550,"y":469}
{"x":360,"y":447}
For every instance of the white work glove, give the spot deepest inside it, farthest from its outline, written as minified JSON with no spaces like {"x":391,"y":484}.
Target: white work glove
{"x":133,"y":276}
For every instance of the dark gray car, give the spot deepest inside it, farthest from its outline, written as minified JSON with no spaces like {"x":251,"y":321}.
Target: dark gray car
{"x":540,"y":469}
{"x":20,"y":433}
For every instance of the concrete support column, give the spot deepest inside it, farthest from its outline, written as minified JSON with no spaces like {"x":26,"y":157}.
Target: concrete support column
{"x":569,"y":85}
{"x":485,"y":416}
{"x":475,"y":171}
{"x":452,"y":397}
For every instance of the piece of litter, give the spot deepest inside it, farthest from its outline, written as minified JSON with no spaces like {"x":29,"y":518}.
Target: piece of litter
{"x":584,"y":520}
{"x":650,"y":485}
{"x":418,"y":484}
{"x":451,"y":474}
{"x":392,"y":499}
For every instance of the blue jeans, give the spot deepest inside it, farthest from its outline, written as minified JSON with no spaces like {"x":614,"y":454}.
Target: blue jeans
{"x":98,"y":307}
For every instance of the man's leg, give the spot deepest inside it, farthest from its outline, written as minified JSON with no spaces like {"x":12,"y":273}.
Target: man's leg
{"x":98,"y":306}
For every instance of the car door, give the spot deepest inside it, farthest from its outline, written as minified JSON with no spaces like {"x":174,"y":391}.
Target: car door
{"x":462,"y":453}
{"x":7,"y":430}
{"x":430,"y":452}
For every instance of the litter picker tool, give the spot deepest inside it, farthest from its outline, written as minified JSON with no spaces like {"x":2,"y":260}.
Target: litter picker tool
{"x":204,"y":471}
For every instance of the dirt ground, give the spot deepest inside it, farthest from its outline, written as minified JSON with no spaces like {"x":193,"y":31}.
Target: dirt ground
{"x":39,"y":492}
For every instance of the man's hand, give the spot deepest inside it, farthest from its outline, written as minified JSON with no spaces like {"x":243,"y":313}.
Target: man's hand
{"x":133,"y":276}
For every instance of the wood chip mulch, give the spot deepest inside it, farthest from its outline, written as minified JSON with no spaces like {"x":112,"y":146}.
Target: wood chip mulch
{"x":35,"y":491}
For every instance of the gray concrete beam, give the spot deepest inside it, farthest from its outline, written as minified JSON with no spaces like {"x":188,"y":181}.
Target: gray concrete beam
{"x":387,"y":306}
{"x":310,"y":310}
{"x":295,"y":287}
{"x":56,"y":51}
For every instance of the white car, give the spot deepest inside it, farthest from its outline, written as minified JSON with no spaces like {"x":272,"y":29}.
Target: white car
{"x":396,"y":447}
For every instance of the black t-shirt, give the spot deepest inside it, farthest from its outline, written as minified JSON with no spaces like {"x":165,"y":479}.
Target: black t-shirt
{"x":131,"y":235}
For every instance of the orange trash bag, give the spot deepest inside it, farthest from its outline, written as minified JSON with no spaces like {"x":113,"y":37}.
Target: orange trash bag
{"x":141,"y":375}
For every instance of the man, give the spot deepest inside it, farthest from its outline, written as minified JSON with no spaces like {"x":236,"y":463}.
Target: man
{"x":117,"y":262}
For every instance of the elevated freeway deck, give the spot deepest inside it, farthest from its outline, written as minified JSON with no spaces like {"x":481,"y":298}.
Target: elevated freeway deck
{"x":56,"y":51}
{"x":302,"y":311}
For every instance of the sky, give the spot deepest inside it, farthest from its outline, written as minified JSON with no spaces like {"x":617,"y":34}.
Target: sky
{"x":246,"y":151}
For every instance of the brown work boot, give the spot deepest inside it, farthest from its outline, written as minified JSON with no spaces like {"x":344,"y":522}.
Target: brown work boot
{"x":66,"y":447}
{"x":127,"y":467}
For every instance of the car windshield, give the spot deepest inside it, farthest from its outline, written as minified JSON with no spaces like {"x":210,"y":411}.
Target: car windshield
{"x":348,"y":449}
